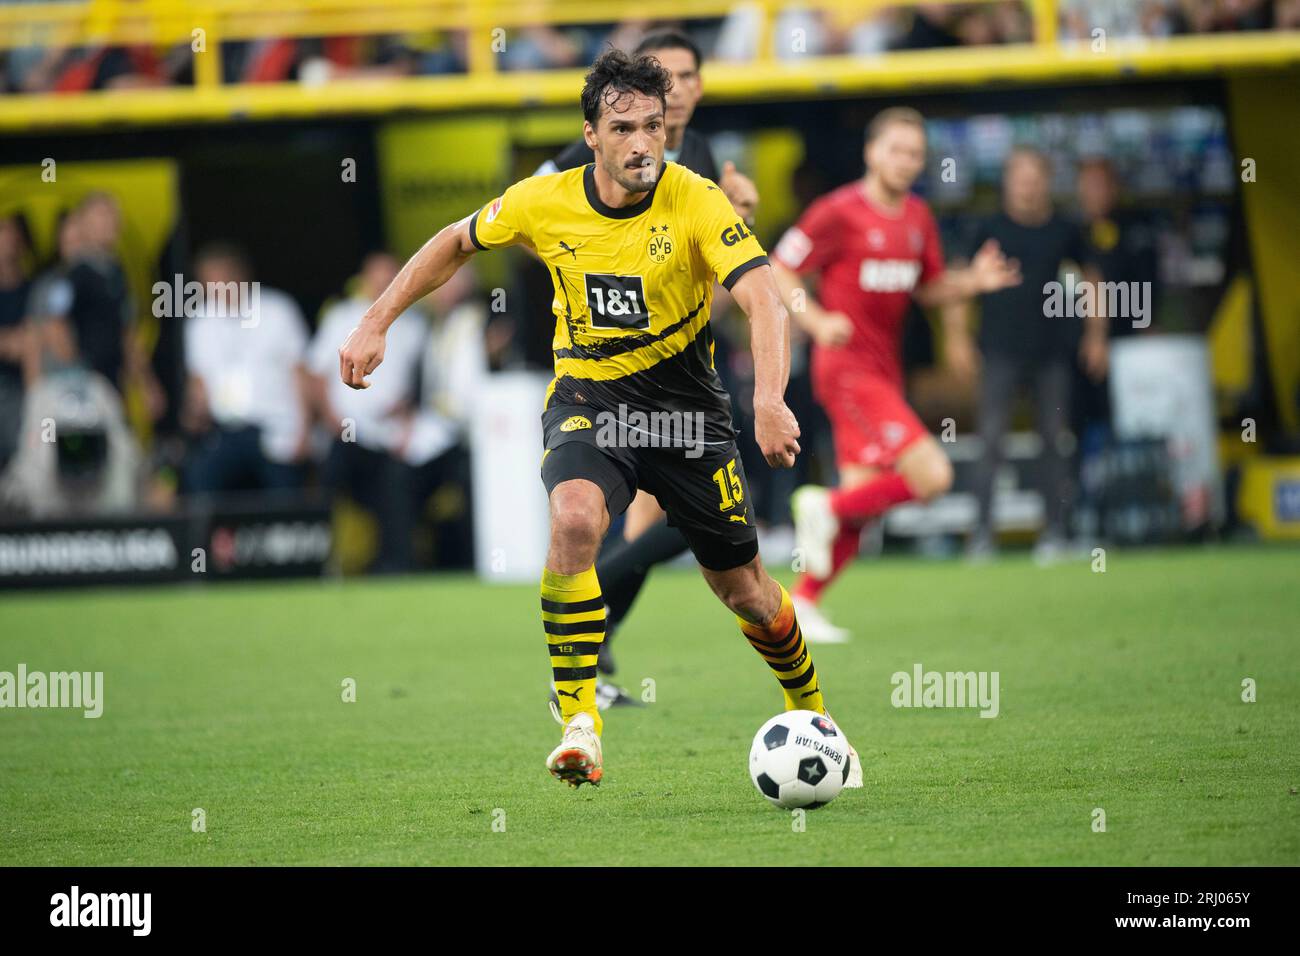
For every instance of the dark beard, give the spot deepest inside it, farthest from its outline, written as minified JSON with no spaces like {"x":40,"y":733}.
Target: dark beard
{"x":629,"y":182}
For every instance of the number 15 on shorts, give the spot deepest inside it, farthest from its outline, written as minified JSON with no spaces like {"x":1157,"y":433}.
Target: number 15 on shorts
{"x":729,"y":485}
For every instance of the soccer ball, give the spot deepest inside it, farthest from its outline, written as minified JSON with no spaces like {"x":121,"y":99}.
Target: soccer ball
{"x":799,"y":759}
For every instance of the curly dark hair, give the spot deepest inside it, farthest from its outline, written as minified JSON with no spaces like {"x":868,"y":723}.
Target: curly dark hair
{"x":615,"y":73}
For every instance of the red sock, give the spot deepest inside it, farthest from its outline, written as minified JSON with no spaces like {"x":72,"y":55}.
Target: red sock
{"x":862,"y":502}
{"x":843,"y":550}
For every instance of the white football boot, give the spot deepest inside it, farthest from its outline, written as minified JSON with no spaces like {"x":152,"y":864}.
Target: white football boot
{"x":577,"y":759}
{"x":816,"y":627}
{"x":854,"y":779}
{"x":815,"y":528}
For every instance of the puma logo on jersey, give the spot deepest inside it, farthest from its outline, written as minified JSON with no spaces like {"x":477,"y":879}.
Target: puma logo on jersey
{"x":574,"y":423}
{"x":565,"y":693}
{"x":740,"y":518}
{"x":572,"y":250}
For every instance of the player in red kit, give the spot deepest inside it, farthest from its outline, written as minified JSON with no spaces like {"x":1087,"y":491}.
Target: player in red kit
{"x":873,"y":246}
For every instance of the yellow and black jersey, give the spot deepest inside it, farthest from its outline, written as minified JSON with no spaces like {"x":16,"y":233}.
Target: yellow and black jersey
{"x":633,"y":286}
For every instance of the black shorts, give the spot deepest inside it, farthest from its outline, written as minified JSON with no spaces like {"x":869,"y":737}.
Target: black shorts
{"x":702,"y":489}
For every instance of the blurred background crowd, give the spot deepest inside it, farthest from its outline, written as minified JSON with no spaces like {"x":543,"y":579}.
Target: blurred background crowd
{"x":733,"y":38}
{"x":165,"y":402}
{"x":251,"y":401}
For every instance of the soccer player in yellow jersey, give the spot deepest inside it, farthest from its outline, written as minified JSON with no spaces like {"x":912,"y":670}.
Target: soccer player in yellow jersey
{"x":634,"y":246}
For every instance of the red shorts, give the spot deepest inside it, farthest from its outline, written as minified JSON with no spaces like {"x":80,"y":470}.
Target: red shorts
{"x":871,"y":421}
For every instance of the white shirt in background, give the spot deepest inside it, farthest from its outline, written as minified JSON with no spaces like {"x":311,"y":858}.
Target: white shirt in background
{"x":392,"y":386}
{"x":249,"y":369}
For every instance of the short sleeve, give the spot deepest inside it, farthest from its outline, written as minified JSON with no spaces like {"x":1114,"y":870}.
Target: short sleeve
{"x":809,"y":244}
{"x":725,"y":243}
{"x":503,"y":221}
{"x":932,"y":264}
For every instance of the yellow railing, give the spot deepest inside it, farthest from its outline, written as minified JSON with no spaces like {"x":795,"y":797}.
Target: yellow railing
{"x":489,"y":22}
{"x":206,"y":24}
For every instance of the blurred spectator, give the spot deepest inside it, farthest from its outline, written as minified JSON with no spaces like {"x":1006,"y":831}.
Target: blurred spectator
{"x":352,"y":57}
{"x":1122,"y":248}
{"x":1286,"y":15}
{"x":15,"y":252}
{"x":81,"y":308}
{"x":541,"y":46}
{"x":76,"y":454}
{"x":1021,"y":343}
{"x":246,"y":381}
{"x":50,"y":343}
{"x":371,"y":428}
{"x":1118,"y":19}
{"x":1210,"y":16}
{"x":464,"y":347}
{"x":931,"y":25}
{"x":100,"y":312}
{"x":439,"y":52}
{"x":797,"y":31}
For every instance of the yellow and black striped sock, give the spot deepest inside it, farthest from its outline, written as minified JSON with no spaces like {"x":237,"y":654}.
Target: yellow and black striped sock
{"x":573,"y":615}
{"x":781,"y":645}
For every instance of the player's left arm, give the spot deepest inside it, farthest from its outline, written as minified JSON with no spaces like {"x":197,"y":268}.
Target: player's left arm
{"x":737,"y":260}
{"x":775,"y":428}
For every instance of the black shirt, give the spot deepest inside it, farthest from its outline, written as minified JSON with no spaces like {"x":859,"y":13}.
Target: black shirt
{"x":13,"y":309}
{"x":1123,"y":248}
{"x":695,"y":155}
{"x":1013,"y":321}
{"x":99,"y":314}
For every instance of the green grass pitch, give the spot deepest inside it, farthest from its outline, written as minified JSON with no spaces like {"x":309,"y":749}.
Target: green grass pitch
{"x":1119,"y":690}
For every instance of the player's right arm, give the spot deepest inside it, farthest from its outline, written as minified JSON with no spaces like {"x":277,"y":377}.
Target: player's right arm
{"x":805,"y":248}
{"x":499,"y":223}
{"x":435,"y":263}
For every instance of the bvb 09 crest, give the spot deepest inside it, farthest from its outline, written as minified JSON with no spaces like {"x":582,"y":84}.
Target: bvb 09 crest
{"x":659,"y":248}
